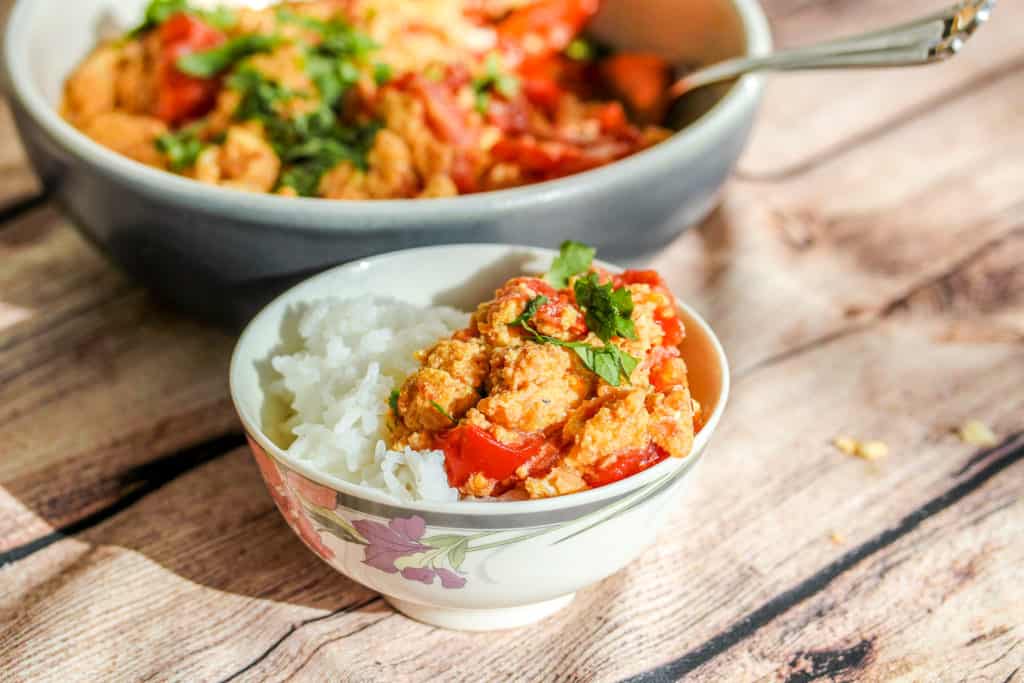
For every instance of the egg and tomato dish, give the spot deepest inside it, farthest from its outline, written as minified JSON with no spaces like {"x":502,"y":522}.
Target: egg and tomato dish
{"x":368,"y":99}
{"x":559,"y":384}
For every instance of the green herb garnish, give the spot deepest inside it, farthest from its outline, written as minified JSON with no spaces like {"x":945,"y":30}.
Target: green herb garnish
{"x":159,"y":11}
{"x":309,"y":145}
{"x":531,"y":310}
{"x":573,"y":258}
{"x":608,"y":311}
{"x":382,"y":73}
{"x":393,"y":401}
{"x":182,"y":148}
{"x":209,"y":63}
{"x":580,"y":50}
{"x":493,"y":80}
{"x":438,"y":408}
{"x":608,"y":362}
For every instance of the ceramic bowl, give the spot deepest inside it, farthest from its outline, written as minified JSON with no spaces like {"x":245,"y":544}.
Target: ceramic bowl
{"x":473,"y":565}
{"x":224,"y":253}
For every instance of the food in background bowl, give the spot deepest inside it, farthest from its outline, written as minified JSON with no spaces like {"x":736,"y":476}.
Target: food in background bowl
{"x":369,"y":99}
{"x":555,"y":385}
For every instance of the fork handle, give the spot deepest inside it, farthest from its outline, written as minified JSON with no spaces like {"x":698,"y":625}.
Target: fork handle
{"x":926,"y":40}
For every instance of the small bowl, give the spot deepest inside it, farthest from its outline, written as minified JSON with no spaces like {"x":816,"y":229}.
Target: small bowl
{"x":222,"y":253}
{"x":469,"y":565}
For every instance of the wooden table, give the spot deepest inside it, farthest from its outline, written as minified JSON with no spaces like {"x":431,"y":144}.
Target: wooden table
{"x":866,"y":271}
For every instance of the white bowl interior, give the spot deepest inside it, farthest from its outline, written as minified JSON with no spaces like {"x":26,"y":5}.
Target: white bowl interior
{"x":459,"y":276}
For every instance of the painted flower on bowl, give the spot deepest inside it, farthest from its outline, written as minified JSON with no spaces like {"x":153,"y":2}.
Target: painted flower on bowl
{"x":399,"y":546}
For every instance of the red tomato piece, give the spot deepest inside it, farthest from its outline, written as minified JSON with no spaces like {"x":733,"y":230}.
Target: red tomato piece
{"x":443,"y":113}
{"x":642,"y":80}
{"x":671,"y":325}
{"x":468,"y":449}
{"x":626,"y":465}
{"x":640,"y":277}
{"x":545,"y":27}
{"x":540,"y":80}
{"x":668,"y":372}
{"x":180,"y":96}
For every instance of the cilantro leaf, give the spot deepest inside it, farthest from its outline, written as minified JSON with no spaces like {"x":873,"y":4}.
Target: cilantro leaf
{"x":493,"y":80}
{"x":438,"y":408}
{"x":608,"y":311}
{"x":159,"y":11}
{"x":382,"y":73}
{"x":573,"y":258}
{"x":393,"y":401}
{"x":531,"y":310}
{"x":310,"y":144}
{"x":182,"y":148}
{"x":608,"y":362}
{"x":211,"y":62}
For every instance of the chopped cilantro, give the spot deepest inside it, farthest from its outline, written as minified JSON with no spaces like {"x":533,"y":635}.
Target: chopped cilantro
{"x":573,"y":258}
{"x":182,"y":148}
{"x":438,"y":408}
{"x":608,"y":311}
{"x":159,"y":11}
{"x":529,"y":311}
{"x":393,"y":401}
{"x":580,"y":50}
{"x":211,"y":62}
{"x":382,"y":73}
{"x":608,"y":362}
{"x":493,"y":80}
{"x":310,"y":144}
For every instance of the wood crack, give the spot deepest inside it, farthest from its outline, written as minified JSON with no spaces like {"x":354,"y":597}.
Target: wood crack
{"x":15,"y":209}
{"x":147,"y":479}
{"x":295,"y":627}
{"x":329,"y":641}
{"x":750,"y":624}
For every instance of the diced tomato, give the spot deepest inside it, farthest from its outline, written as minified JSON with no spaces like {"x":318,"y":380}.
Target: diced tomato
{"x":552,"y":158}
{"x":671,"y":325}
{"x":613,"y":119}
{"x":546,"y":26}
{"x":669,"y":371}
{"x":626,"y":465}
{"x":640,"y":277}
{"x":180,"y":96}
{"x":469,"y":449}
{"x":642,"y":80}
{"x":540,"y":79}
{"x":541,"y":287}
{"x":444,"y":116}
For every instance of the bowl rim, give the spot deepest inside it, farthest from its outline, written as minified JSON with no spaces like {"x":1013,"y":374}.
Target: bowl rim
{"x":270,"y":209}
{"x":583,"y":499}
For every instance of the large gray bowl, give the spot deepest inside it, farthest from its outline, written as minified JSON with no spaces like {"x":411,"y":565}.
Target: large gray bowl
{"x":222,"y":253}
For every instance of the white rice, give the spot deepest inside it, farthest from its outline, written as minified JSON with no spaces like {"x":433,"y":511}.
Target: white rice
{"x":351,"y":354}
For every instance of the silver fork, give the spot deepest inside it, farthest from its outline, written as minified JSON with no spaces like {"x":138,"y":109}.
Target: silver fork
{"x":929,"y":39}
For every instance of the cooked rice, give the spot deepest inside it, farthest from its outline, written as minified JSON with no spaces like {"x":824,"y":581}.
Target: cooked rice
{"x":353,"y":353}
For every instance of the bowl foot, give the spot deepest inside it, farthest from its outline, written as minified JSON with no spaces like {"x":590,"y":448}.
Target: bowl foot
{"x":481,"y":619}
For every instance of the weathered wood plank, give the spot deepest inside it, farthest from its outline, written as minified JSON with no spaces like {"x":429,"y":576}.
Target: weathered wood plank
{"x":95,"y":380}
{"x":867,"y":625}
{"x":809,"y":118}
{"x":18,"y":180}
{"x":865,"y":281}
{"x":796,"y":486}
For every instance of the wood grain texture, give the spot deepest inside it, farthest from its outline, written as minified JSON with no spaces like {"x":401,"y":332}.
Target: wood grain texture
{"x":866,"y":274}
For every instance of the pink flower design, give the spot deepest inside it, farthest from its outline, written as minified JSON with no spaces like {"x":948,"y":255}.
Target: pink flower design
{"x":292,"y":511}
{"x":388,"y":542}
{"x":402,"y":538}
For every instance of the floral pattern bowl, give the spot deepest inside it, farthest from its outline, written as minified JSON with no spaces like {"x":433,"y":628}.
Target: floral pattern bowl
{"x":471,"y":565}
